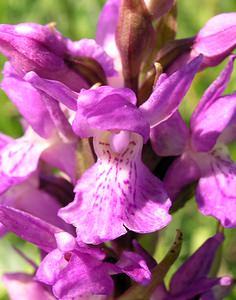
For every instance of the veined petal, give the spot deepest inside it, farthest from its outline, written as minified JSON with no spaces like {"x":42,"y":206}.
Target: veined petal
{"x":214,"y":91}
{"x":22,"y":286}
{"x":107,"y":108}
{"x":117,"y":192}
{"x":28,"y":101}
{"x":216,"y":191}
{"x":45,"y":34}
{"x":26,"y":52}
{"x":206,"y":129}
{"x":168,"y":94}
{"x":29,"y":228}
{"x":19,"y":159}
{"x":53,"y":88}
{"x":83,"y":275}
{"x":213,"y":121}
{"x":170,"y":137}
{"x":217,"y":38}
{"x":33,"y":47}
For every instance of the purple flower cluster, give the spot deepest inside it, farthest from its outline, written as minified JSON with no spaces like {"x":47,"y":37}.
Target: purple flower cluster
{"x":77,"y":183}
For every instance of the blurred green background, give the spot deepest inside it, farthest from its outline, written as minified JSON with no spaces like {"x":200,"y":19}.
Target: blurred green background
{"x":77,"y":19}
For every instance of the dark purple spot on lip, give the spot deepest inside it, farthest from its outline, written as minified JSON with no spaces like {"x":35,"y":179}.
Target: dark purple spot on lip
{"x":67,"y":256}
{"x":126,"y":181}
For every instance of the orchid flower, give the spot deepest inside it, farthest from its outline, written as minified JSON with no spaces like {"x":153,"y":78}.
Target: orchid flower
{"x":19,"y":186}
{"x":68,"y":265}
{"x":42,"y":49}
{"x":215,"y":41}
{"x":139,"y":202}
{"x":50,"y":139}
{"x":204,"y":157}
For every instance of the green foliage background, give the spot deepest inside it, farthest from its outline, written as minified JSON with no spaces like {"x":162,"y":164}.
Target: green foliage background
{"x":77,"y":19}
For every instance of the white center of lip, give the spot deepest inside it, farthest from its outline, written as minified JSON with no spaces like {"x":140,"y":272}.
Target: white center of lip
{"x":119,"y":141}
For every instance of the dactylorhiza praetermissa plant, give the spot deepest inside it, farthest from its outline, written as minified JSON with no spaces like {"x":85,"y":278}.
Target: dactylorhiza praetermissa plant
{"x":122,"y":192}
{"x":43,"y":78}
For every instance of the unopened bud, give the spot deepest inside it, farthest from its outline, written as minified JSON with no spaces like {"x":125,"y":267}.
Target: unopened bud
{"x":134,"y":37}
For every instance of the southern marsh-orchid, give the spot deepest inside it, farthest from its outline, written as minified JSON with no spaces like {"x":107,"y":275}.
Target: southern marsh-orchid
{"x":204,"y":156}
{"x":48,"y":130}
{"x":119,"y":129}
{"x":42,"y":49}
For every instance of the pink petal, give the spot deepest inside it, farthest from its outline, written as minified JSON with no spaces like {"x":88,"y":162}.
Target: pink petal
{"x":216,"y":191}
{"x":169,"y":92}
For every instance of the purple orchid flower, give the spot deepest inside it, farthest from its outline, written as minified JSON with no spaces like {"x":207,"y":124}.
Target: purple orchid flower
{"x":215,"y":41}
{"x":42,"y":49}
{"x":192,"y":280}
{"x":204,"y":156}
{"x":139,"y":202}
{"x":51,"y":138}
{"x":19,"y":186}
{"x":71,"y":269}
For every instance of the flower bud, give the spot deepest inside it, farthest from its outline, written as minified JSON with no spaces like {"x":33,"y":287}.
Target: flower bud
{"x":134,"y":37}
